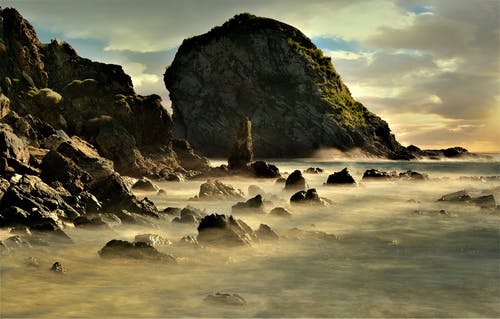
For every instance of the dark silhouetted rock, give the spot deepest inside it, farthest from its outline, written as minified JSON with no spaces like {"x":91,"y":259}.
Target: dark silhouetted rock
{"x":145,"y":185}
{"x":341,"y":177}
{"x":295,"y":181}
{"x":115,"y":196}
{"x":138,"y":250}
{"x":265,"y":170}
{"x":313,"y":170}
{"x":291,"y":92}
{"x":56,"y":167}
{"x":152,"y":240}
{"x":242,"y":151}
{"x":221,"y":230}
{"x":265,"y":233}
{"x":225,"y":299}
{"x":216,"y":190}
{"x":375,"y":174}
{"x":485,"y":201}
{"x":460,"y":196}
{"x":189,"y":215}
{"x":309,"y":197}
{"x":412,"y":175}
{"x":253,"y":205}
{"x":280,"y":212}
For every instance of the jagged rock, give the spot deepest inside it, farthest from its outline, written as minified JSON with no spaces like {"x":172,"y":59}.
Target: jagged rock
{"x":295,"y":181}
{"x":273,"y":74}
{"x":309,"y":197}
{"x":460,"y":196}
{"x":412,"y":175}
{"x":11,"y":146}
{"x":313,"y":170}
{"x":58,"y":268}
{"x":280,"y":212}
{"x":265,"y":233}
{"x":375,"y":174}
{"x":221,"y":230}
{"x":216,"y":190}
{"x":254,"y":205}
{"x":115,"y":197}
{"x":152,"y":240}
{"x":189,"y":215}
{"x":145,"y":185}
{"x":255,"y":190}
{"x":138,"y":250}
{"x":265,"y":170}
{"x":53,"y":141}
{"x":87,"y":203}
{"x":56,"y":167}
{"x":485,"y":201}
{"x":341,"y":177}
{"x":242,"y":151}
{"x":86,"y":157}
{"x":225,"y":299}
{"x":187,"y":157}
{"x":33,"y":203}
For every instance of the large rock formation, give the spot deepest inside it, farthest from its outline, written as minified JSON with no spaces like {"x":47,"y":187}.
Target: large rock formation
{"x":271,"y":73}
{"x":96,"y":101}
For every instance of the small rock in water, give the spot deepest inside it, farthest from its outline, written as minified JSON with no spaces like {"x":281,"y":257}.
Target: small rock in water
{"x":295,"y":181}
{"x":265,"y":170}
{"x":412,"y":175}
{"x":486,"y":201}
{"x":313,"y":170}
{"x":124,"y":249}
{"x":375,"y":174}
{"x":58,"y":268}
{"x":460,"y":196}
{"x":280,"y":212}
{"x":341,"y":177}
{"x":309,"y":197}
{"x":152,"y":239}
{"x":226,"y":299}
{"x":254,"y":204}
{"x":266,"y":233}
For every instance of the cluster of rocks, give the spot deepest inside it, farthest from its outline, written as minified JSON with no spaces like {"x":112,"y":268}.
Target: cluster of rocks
{"x":462,"y":196}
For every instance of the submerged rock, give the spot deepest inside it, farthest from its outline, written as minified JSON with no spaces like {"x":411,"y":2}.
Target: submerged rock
{"x":152,"y":240}
{"x":485,"y":201}
{"x":225,"y":299}
{"x":216,"y":190}
{"x":412,"y":175}
{"x":459,"y":196}
{"x":221,"y":230}
{"x":139,"y":250}
{"x":313,"y":170}
{"x":341,"y":177}
{"x":309,"y":197}
{"x":280,"y":212}
{"x":254,"y":205}
{"x":295,"y":181}
{"x":265,"y":233}
{"x":375,"y":174}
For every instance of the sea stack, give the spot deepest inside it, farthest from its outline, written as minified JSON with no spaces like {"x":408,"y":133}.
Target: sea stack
{"x":242,"y":153}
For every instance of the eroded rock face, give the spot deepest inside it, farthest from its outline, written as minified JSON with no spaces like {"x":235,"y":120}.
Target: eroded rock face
{"x":271,"y":73}
{"x":221,"y":230}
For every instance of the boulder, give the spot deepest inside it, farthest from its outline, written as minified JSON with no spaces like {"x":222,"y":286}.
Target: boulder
{"x":459,"y":196}
{"x":295,"y":181}
{"x":280,"y":212}
{"x":189,"y":215}
{"x":313,"y":170}
{"x":221,"y":230}
{"x":216,"y":190}
{"x":375,"y":174}
{"x":253,"y":205}
{"x":309,"y":197}
{"x":152,"y":240}
{"x":242,"y":152}
{"x":265,"y":233}
{"x":265,"y":170}
{"x":86,"y":157}
{"x":225,"y":299}
{"x":341,"y":177}
{"x":56,"y":167}
{"x":115,"y":197}
{"x":145,"y":185}
{"x":138,"y":250}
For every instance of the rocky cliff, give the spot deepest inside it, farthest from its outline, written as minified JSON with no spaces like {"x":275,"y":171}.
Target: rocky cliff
{"x":273,"y":74}
{"x":55,"y":87}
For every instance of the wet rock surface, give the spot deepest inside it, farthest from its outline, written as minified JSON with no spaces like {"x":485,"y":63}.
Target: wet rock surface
{"x":138,"y":250}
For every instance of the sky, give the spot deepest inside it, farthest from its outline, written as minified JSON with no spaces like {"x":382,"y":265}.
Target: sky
{"x":430,"y":68}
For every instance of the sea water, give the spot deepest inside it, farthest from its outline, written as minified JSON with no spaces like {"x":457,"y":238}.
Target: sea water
{"x":382,"y":249}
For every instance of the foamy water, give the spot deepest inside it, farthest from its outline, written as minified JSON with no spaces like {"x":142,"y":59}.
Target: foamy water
{"x":382,"y":259}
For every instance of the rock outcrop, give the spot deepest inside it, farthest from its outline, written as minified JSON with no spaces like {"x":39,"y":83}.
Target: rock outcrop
{"x":242,"y":152}
{"x":273,"y":74}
